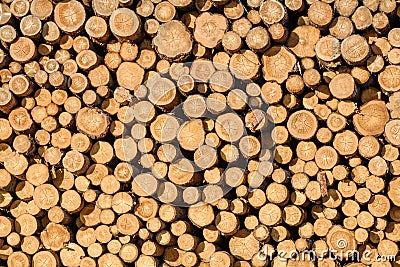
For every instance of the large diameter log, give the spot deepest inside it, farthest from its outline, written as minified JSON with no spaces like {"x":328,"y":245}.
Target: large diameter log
{"x":173,"y":41}
{"x":342,"y":86}
{"x":70,"y":16}
{"x":125,"y":24}
{"x":209,"y":29}
{"x":355,"y":49}
{"x":23,"y":50}
{"x":272,"y":11}
{"x":277,"y":62}
{"x":302,"y":41}
{"x":104,"y":8}
{"x":302,"y":125}
{"x":341,"y":240}
{"x":371,"y":119}
{"x":388,"y":78}
{"x":92,"y":122}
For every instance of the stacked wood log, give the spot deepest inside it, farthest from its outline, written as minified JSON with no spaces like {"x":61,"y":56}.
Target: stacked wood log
{"x":98,"y":169}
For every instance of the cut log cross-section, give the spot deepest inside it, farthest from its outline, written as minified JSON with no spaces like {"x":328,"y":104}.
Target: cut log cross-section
{"x":125,"y":24}
{"x":199,"y":133}
{"x":389,"y":79}
{"x":209,"y":29}
{"x":278,"y":62}
{"x":70,"y":16}
{"x":92,"y":122}
{"x":302,"y":125}
{"x":355,"y":49}
{"x":173,"y":41}
{"x":272,"y":12}
{"x":371,"y":119}
{"x":302,"y":41}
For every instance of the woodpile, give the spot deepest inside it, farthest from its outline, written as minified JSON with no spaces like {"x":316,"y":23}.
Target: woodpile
{"x":211,"y":133}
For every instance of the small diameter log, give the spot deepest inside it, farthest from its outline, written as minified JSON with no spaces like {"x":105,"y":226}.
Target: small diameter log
{"x":231,"y":42}
{"x":183,"y":173}
{"x":227,"y":222}
{"x":30,"y":26}
{"x":20,"y":120}
{"x":173,"y":41}
{"x":81,"y":43}
{"x":229,"y":127}
{"x":243,"y":245}
{"x":205,"y":157}
{"x":159,"y":130}
{"x":345,"y":8}
{"x":7,"y":34}
{"x":270,"y":214}
{"x":37,"y":174}
{"x":326,"y":157}
{"x":181,"y":3}
{"x":144,"y":185}
{"x":6,"y":14}
{"x":346,"y":143}
{"x":145,"y":8}
{"x":7,"y":101}
{"x":295,"y":5}
{"x":151,"y":27}
{"x":390,"y":132}
{"x":18,"y":258}
{"x":51,"y":34}
{"x":164,"y":12}
{"x":194,"y":106}
{"x":362,"y":18}
{"x":146,"y":58}
{"x":368,"y":146}
{"x":201,"y":215}
{"x":45,"y":196}
{"x":99,"y":76}
{"x":75,"y":162}
{"x":19,"y":8}
{"x":341,"y":27}
{"x":241,"y":26}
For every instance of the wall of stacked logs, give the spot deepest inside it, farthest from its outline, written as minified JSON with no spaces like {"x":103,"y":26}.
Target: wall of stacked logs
{"x":328,"y":70}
